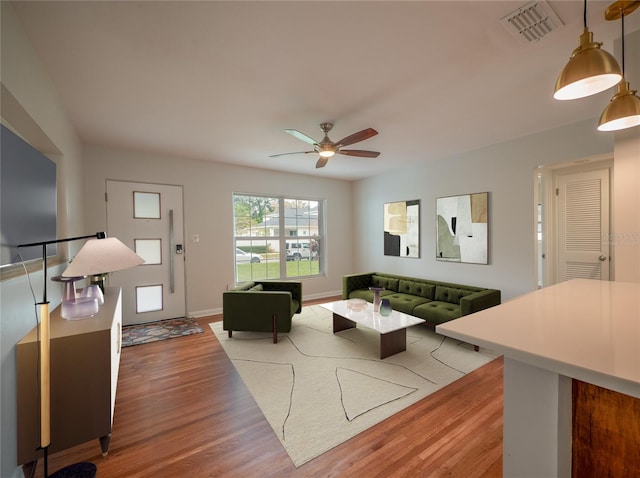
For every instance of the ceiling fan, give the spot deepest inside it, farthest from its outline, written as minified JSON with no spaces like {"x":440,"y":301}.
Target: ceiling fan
{"x":327,"y":148}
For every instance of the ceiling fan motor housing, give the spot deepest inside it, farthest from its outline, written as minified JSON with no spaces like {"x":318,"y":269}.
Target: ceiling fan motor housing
{"x":326,"y":127}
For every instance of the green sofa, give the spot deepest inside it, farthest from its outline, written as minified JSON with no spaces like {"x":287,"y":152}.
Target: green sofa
{"x":261,"y":306}
{"x":434,"y":301}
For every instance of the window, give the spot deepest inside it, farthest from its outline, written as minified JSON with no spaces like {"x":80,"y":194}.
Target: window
{"x":146,"y":205}
{"x":277,"y":237}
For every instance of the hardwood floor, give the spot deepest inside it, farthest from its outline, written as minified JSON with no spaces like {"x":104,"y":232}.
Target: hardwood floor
{"x":183,"y":411}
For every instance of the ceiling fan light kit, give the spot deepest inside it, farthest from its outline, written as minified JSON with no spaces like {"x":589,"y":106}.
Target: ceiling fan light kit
{"x":326,"y":152}
{"x":327,"y":148}
{"x":592,"y":70}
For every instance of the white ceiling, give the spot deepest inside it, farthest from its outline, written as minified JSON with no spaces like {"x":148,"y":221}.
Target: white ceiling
{"x":220,"y":81}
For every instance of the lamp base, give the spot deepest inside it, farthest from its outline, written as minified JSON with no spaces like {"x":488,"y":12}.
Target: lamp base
{"x":78,"y":470}
{"x":99,"y":280}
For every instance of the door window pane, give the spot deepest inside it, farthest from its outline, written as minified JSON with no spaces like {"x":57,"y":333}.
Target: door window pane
{"x":146,"y":205}
{"x":148,"y":298}
{"x":150,"y":250}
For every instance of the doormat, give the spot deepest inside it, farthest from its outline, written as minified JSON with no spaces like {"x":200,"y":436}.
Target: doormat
{"x":161,"y":330}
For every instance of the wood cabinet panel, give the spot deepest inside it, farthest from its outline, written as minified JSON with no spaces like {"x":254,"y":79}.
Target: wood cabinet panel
{"x":606,"y":433}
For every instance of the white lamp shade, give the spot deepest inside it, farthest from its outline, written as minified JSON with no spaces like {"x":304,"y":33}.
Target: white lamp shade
{"x":99,"y":256}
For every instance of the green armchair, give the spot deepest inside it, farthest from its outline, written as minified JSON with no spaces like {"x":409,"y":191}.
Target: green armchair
{"x":261,"y":306}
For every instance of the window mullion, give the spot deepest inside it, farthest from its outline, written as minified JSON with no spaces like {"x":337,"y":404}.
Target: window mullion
{"x":282,"y":239}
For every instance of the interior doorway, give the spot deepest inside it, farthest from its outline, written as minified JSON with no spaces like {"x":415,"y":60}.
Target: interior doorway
{"x":572,"y":221}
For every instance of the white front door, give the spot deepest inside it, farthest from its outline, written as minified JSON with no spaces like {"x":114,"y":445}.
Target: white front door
{"x":149,"y":219}
{"x":583,"y":225}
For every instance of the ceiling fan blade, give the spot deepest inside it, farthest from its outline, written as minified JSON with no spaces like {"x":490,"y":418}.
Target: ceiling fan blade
{"x":322,"y":162}
{"x":302,"y":136}
{"x":359,"y":152}
{"x":285,"y":154}
{"x":357,"y":137}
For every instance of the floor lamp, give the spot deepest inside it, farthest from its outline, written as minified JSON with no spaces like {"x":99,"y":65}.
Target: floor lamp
{"x":103,"y":255}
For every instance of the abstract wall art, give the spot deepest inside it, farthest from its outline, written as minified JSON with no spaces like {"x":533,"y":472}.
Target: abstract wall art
{"x":402,"y":229}
{"x":462,"y":225}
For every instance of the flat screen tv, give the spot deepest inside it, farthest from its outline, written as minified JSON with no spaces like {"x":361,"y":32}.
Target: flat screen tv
{"x":28,"y":203}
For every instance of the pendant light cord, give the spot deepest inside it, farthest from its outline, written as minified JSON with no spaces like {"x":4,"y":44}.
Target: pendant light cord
{"x":585,"y":14}
{"x":622,"y":19}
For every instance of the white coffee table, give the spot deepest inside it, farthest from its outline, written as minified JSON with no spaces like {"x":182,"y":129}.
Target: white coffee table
{"x":392,"y":328}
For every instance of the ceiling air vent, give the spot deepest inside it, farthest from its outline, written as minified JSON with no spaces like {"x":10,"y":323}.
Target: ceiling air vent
{"x":531,"y":22}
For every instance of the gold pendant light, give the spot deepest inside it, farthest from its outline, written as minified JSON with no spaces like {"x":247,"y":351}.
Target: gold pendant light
{"x":623,"y":111}
{"x":590,"y":69}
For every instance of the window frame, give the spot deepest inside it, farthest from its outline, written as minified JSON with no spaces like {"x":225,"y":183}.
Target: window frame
{"x":276,"y":237}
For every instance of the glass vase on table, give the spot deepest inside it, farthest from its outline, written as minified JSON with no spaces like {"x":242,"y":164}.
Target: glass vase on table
{"x":385,"y":307}
{"x":376,"y":297}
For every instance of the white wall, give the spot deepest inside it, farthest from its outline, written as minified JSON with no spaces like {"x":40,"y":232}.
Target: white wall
{"x":31,"y":108}
{"x":208,"y":189}
{"x":626,"y":200}
{"x":506,"y":171}
{"x":626,"y":178}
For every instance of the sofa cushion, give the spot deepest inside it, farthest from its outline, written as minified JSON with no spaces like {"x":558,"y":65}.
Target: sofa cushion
{"x":244,"y":286}
{"x":449,"y":294}
{"x":257,"y":287}
{"x":357,"y":281}
{"x":367,"y":294}
{"x":436,"y":312}
{"x":405,"y":302}
{"x":294,"y":307}
{"x":387,"y":282}
{"x":421,"y":289}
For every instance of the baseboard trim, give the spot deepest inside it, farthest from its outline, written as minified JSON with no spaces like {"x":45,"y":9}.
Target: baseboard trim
{"x":196,"y":314}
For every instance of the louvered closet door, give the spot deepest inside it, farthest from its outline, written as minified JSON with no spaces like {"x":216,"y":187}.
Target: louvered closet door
{"x":583,"y":229}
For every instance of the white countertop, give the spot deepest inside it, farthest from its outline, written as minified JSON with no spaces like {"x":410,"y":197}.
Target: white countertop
{"x":583,"y":329}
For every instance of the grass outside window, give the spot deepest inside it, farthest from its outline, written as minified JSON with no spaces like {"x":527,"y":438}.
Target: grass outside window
{"x":270,"y":269}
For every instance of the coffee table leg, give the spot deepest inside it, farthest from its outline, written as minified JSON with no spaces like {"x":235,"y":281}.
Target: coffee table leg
{"x":341,"y":323}
{"x":393,"y":342}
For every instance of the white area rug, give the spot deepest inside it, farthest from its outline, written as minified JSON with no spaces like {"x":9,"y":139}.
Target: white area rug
{"x":318,"y":389}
